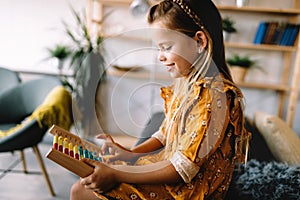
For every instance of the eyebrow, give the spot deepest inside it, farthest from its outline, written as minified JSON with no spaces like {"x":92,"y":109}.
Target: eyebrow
{"x":165,"y":42}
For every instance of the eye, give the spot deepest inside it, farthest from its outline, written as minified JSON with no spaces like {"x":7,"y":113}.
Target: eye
{"x":166,"y":48}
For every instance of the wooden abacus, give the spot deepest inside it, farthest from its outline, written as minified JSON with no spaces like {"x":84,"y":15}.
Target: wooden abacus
{"x":67,"y":151}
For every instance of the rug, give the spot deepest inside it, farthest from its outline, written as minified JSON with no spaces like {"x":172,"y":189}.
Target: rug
{"x":266,"y":180}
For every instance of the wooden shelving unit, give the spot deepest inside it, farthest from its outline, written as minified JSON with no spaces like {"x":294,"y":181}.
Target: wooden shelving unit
{"x":141,"y":74}
{"x":261,"y":47}
{"x":292,"y":11}
{"x":287,"y":88}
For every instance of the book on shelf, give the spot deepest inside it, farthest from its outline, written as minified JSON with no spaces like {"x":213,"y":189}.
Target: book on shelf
{"x":293,"y":35}
{"x":277,"y":33}
{"x":270,"y":32}
{"x":260,"y":33}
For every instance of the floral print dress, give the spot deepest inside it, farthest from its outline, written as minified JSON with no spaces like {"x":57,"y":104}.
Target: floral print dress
{"x":204,"y":153}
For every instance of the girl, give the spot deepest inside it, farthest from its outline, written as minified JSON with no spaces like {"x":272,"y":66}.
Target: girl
{"x":193,"y":154}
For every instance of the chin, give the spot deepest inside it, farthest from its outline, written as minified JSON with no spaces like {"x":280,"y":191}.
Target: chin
{"x":176,"y":75}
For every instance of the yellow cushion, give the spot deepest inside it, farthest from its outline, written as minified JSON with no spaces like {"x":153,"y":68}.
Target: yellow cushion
{"x":56,"y":109}
{"x":282,"y":141}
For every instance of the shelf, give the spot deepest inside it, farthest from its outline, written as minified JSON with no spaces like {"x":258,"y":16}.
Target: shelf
{"x":145,"y":74}
{"x":260,"y":10}
{"x":281,"y":88}
{"x":288,"y":85}
{"x":139,"y":74}
{"x":121,"y":2}
{"x":260,"y":46}
{"x":114,"y":2}
{"x":288,"y":11}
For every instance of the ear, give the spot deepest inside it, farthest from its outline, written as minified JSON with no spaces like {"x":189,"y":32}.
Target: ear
{"x":201,"y":39}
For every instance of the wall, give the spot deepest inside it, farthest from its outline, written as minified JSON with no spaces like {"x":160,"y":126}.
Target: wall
{"x":33,"y":25}
{"x":255,"y":100}
{"x":29,"y":27}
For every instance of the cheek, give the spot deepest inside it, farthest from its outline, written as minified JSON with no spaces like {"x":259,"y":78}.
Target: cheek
{"x":181,"y":61}
{"x":188,"y":54}
{"x":173,"y":57}
{"x":183,"y":66}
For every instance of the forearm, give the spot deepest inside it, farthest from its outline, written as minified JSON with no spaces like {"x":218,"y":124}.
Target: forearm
{"x":150,"y":145}
{"x":157,"y":173}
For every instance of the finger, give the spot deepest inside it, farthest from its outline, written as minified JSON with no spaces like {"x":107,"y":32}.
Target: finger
{"x":106,"y":146}
{"x":98,"y":190}
{"x":105,"y":136}
{"x":113,"y":158}
{"x":84,"y":181}
{"x":101,"y":136}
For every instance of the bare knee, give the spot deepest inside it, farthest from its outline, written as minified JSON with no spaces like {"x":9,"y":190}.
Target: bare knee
{"x":78,"y":192}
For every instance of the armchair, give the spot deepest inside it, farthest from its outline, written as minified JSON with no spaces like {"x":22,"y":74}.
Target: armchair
{"x":27,"y":111}
{"x":8,"y":79}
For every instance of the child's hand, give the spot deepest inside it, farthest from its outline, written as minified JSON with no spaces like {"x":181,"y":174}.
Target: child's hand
{"x":101,"y":180}
{"x":115,"y":150}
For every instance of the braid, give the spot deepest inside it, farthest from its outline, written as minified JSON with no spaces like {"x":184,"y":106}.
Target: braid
{"x":189,"y":12}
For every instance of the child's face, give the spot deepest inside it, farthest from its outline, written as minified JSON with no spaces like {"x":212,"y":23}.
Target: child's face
{"x":176,"y":51}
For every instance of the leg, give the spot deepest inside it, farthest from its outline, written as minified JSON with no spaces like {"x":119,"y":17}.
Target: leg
{"x":44,"y":171}
{"x":23,"y":161}
{"x":78,"y":192}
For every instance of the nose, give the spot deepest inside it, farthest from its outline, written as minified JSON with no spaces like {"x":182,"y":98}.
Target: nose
{"x":161,"y":56}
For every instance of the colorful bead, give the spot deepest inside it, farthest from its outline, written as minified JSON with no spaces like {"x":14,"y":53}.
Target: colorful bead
{"x":55,"y":142}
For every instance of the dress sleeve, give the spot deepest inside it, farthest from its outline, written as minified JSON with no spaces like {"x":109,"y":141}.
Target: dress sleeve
{"x":167,"y":94}
{"x":186,"y":168}
{"x":205,"y":124}
{"x":160,"y":136}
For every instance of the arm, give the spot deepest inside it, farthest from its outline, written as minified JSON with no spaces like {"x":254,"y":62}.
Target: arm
{"x":106,"y":177}
{"x":158,"y":173}
{"x":118,"y":152}
{"x":150,"y":145}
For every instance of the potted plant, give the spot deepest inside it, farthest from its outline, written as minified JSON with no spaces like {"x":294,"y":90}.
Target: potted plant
{"x":60,"y":53}
{"x":87,"y":63}
{"x":239,"y":66}
{"x":228,"y":27}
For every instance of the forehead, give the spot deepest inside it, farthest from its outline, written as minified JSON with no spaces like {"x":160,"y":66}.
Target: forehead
{"x":160,"y":34}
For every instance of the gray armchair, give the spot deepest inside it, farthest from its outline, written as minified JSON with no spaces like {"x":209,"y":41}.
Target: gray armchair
{"x":8,"y":79}
{"x":16,"y":104}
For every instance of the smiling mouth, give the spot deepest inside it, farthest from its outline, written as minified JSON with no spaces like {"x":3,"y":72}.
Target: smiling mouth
{"x":169,"y":66}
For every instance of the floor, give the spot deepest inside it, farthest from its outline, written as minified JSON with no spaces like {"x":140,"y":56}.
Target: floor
{"x":14,"y":184}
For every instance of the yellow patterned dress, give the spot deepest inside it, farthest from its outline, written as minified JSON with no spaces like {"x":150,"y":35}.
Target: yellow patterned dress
{"x":204,"y":153}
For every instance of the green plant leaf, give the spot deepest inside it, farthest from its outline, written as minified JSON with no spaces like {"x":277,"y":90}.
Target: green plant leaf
{"x":242,"y":61}
{"x":228,"y":25}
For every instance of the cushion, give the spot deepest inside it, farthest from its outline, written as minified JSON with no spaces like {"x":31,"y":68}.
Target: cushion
{"x":283,"y":142}
{"x":56,"y":109}
{"x":259,"y":149}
